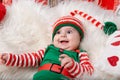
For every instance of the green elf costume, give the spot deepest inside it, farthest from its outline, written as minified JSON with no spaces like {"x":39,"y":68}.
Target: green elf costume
{"x":48,"y":59}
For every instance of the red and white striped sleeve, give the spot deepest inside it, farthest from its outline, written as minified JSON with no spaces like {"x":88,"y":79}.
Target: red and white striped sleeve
{"x":84,"y":66}
{"x":25,"y":59}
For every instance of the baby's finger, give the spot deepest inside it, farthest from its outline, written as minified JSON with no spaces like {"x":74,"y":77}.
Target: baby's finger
{"x":2,"y":61}
{"x":62,"y":56}
{"x":67,"y":65}
{"x":4,"y":56}
{"x":64,"y":62}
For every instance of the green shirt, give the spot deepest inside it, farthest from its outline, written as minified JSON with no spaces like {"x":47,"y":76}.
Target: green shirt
{"x":52,"y":54}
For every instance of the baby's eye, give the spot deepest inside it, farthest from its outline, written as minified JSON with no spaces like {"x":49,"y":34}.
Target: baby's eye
{"x":69,"y":31}
{"x":58,"y":32}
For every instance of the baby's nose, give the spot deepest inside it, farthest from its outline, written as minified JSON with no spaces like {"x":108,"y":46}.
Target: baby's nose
{"x":63,"y":34}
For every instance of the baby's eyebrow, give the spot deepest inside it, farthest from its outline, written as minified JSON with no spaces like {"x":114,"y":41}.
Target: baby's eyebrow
{"x":71,"y":29}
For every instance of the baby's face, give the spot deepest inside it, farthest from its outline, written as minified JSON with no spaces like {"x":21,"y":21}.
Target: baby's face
{"x":67,"y":38}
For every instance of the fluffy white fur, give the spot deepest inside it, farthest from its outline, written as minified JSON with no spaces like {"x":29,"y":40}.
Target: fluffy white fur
{"x":27,"y":28}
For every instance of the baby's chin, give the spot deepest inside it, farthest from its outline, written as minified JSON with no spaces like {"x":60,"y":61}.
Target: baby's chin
{"x":65,"y":48}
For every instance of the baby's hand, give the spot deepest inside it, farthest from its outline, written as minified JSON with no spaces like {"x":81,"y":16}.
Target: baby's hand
{"x":3,"y":58}
{"x":66,"y":61}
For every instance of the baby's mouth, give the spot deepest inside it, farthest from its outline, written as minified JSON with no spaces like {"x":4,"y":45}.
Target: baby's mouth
{"x":64,"y":41}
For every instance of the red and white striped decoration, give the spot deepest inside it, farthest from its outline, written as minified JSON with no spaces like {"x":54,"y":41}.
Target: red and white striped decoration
{"x":34,"y":59}
{"x":70,"y":19}
{"x":85,"y":66}
{"x":26,"y":59}
{"x":45,"y":2}
{"x":114,"y":39}
{"x":88,"y":17}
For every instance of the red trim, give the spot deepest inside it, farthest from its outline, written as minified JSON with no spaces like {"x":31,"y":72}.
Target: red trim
{"x":55,"y":68}
{"x":69,"y":19}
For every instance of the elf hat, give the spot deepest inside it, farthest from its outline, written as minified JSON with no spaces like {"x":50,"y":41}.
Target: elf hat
{"x":68,"y":21}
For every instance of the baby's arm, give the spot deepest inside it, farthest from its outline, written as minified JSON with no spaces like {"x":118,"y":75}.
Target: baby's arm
{"x":22,"y":60}
{"x":77,"y":69}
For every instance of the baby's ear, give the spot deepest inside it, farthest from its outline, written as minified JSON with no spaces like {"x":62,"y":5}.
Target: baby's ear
{"x":109,"y":28}
{"x":2,"y":11}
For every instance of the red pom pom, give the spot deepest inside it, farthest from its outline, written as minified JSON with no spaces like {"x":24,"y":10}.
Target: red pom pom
{"x":2,"y":11}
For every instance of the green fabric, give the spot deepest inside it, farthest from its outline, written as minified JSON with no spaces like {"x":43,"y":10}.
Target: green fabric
{"x":109,"y":28}
{"x":82,"y":50}
{"x":52,"y":56}
{"x":71,"y":25}
{"x":48,"y":75}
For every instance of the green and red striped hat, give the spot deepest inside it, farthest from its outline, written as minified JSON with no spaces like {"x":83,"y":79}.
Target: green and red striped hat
{"x":68,"y":21}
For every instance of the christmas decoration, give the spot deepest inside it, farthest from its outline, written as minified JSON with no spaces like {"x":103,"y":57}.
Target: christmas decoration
{"x":108,"y":4}
{"x":74,"y":22}
{"x":108,"y":27}
{"x":31,"y":31}
{"x":2,"y":11}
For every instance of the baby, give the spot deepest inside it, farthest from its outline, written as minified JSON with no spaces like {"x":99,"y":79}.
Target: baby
{"x":61,"y":60}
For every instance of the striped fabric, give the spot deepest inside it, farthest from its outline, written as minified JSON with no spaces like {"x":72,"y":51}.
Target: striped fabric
{"x":88,"y":17}
{"x":26,"y":59}
{"x":45,"y":2}
{"x":85,"y":66}
{"x":68,"y":19}
{"x":34,"y":59}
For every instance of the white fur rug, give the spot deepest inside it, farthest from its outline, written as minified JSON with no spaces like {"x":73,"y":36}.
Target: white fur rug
{"x":27,"y":28}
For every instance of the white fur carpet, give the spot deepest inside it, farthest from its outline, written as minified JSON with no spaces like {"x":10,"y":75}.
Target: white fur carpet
{"x":27,"y":28}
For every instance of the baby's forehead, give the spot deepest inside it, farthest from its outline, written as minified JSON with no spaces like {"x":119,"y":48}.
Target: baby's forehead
{"x":67,"y":27}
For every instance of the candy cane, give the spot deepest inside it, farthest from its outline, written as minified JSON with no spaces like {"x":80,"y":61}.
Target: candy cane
{"x":108,"y":27}
{"x":88,"y":17}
